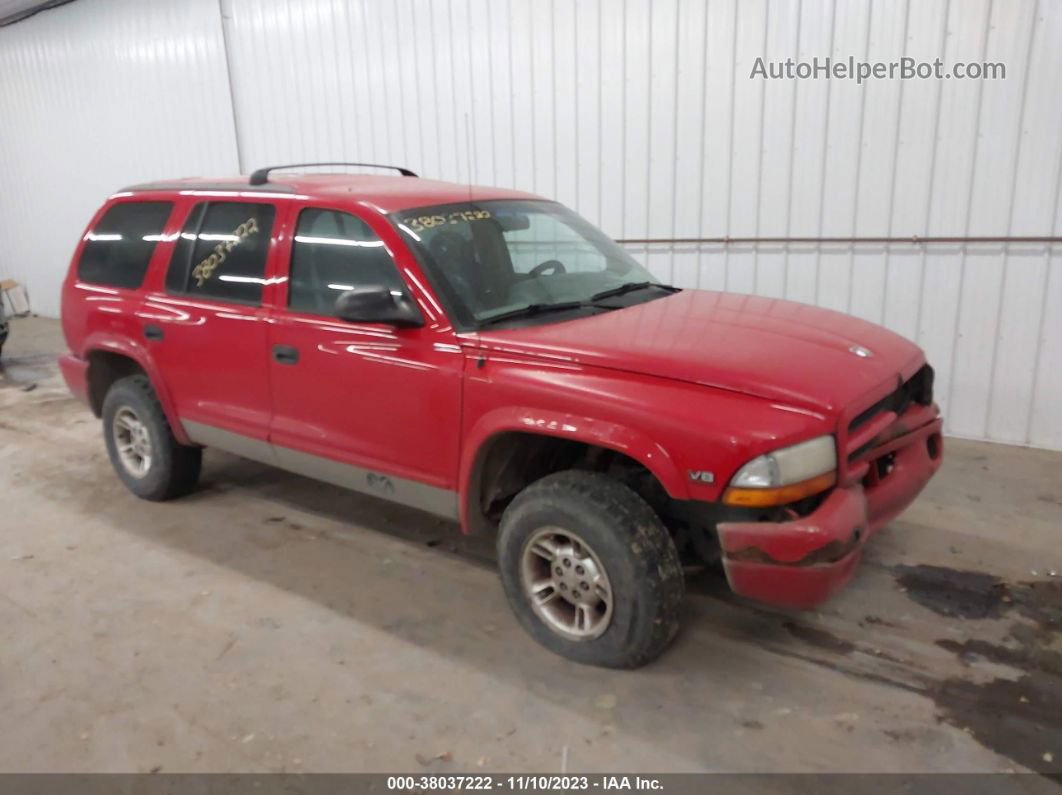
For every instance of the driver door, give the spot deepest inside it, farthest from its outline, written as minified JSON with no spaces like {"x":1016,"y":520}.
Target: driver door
{"x":368,"y":406}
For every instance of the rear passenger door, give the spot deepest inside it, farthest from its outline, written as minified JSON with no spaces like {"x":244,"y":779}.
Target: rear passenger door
{"x":369,"y":406}
{"x":207,"y":328}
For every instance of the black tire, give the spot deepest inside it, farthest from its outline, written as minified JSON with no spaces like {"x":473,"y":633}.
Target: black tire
{"x":174,"y":468}
{"x":631,"y":543}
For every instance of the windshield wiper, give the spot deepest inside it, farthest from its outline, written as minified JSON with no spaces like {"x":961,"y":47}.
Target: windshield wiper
{"x":537,"y":309}
{"x":531,"y":310}
{"x":630,"y":287}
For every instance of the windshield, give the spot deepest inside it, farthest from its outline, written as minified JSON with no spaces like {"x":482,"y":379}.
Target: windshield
{"x":496,"y":258}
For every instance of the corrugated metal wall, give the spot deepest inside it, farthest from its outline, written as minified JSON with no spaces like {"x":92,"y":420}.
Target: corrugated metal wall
{"x":96,"y":95}
{"x":644,"y":117}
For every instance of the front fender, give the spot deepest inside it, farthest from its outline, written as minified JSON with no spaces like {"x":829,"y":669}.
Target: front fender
{"x":563,"y":425}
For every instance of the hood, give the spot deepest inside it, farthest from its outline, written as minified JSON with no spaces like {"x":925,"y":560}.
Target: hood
{"x":779,"y":350}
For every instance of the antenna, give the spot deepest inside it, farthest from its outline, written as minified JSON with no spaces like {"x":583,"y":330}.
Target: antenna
{"x":468,"y":156}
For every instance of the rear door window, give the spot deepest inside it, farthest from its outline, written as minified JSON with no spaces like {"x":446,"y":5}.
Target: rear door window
{"x":221,"y":253}
{"x":334,"y":252}
{"x":119,"y":247}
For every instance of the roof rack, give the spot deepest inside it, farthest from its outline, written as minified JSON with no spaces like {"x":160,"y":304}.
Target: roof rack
{"x":261,"y":176}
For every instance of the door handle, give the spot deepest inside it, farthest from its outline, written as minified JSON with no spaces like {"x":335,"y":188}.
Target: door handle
{"x":286,"y":354}
{"x":153,"y":332}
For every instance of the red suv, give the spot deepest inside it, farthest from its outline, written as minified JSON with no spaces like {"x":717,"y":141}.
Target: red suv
{"x":489,"y":356}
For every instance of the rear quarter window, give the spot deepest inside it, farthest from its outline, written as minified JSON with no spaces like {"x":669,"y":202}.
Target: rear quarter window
{"x":119,"y":248}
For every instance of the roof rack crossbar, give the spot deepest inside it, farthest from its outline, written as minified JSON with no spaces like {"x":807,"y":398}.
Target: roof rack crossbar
{"x":261,"y":176}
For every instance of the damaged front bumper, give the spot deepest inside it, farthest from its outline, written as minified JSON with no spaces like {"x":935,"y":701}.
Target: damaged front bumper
{"x":801,"y":562}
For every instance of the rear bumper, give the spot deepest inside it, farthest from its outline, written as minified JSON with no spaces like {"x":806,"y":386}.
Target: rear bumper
{"x":800,"y":563}
{"x":75,"y":373}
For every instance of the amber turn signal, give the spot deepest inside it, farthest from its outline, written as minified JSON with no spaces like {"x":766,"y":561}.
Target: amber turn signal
{"x":779,"y":495}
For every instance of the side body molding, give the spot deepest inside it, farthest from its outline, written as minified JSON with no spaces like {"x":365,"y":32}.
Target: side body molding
{"x":434,"y":500}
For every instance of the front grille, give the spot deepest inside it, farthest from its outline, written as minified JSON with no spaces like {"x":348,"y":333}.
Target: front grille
{"x":917,"y":389}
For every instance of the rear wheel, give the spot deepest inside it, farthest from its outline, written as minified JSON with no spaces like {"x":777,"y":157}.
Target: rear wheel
{"x":590,"y":570}
{"x":141,"y":445}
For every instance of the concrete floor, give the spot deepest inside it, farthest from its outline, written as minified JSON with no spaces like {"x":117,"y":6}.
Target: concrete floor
{"x":270,"y":623}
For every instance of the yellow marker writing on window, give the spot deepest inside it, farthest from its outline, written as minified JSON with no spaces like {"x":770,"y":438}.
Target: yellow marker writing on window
{"x":422,"y":222}
{"x":205,"y":269}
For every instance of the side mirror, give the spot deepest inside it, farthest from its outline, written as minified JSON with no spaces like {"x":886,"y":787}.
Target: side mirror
{"x":378,"y":304}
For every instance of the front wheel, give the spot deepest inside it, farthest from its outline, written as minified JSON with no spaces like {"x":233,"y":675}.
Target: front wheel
{"x":141,"y":446}
{"x":590,"y":570}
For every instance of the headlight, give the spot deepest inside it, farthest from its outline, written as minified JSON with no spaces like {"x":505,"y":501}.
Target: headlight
{"x":785,"y":475}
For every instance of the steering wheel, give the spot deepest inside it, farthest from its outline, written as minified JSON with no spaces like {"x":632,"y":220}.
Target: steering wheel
{"x":552,"y":265}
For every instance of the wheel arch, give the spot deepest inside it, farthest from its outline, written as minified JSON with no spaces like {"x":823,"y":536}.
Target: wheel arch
{"x":110,"y":361}
{"x":509,"y":448}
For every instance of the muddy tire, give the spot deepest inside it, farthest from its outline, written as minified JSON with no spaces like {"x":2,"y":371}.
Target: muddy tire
{"x":141,"y":445}
{"x":590,"y":570}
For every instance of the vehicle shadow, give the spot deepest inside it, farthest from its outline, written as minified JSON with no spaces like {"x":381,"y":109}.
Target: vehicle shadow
{"x":293,"y":509}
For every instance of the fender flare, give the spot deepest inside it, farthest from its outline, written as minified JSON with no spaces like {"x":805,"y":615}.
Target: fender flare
{"x":134,"y":350}
{"x":522,"y":419}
